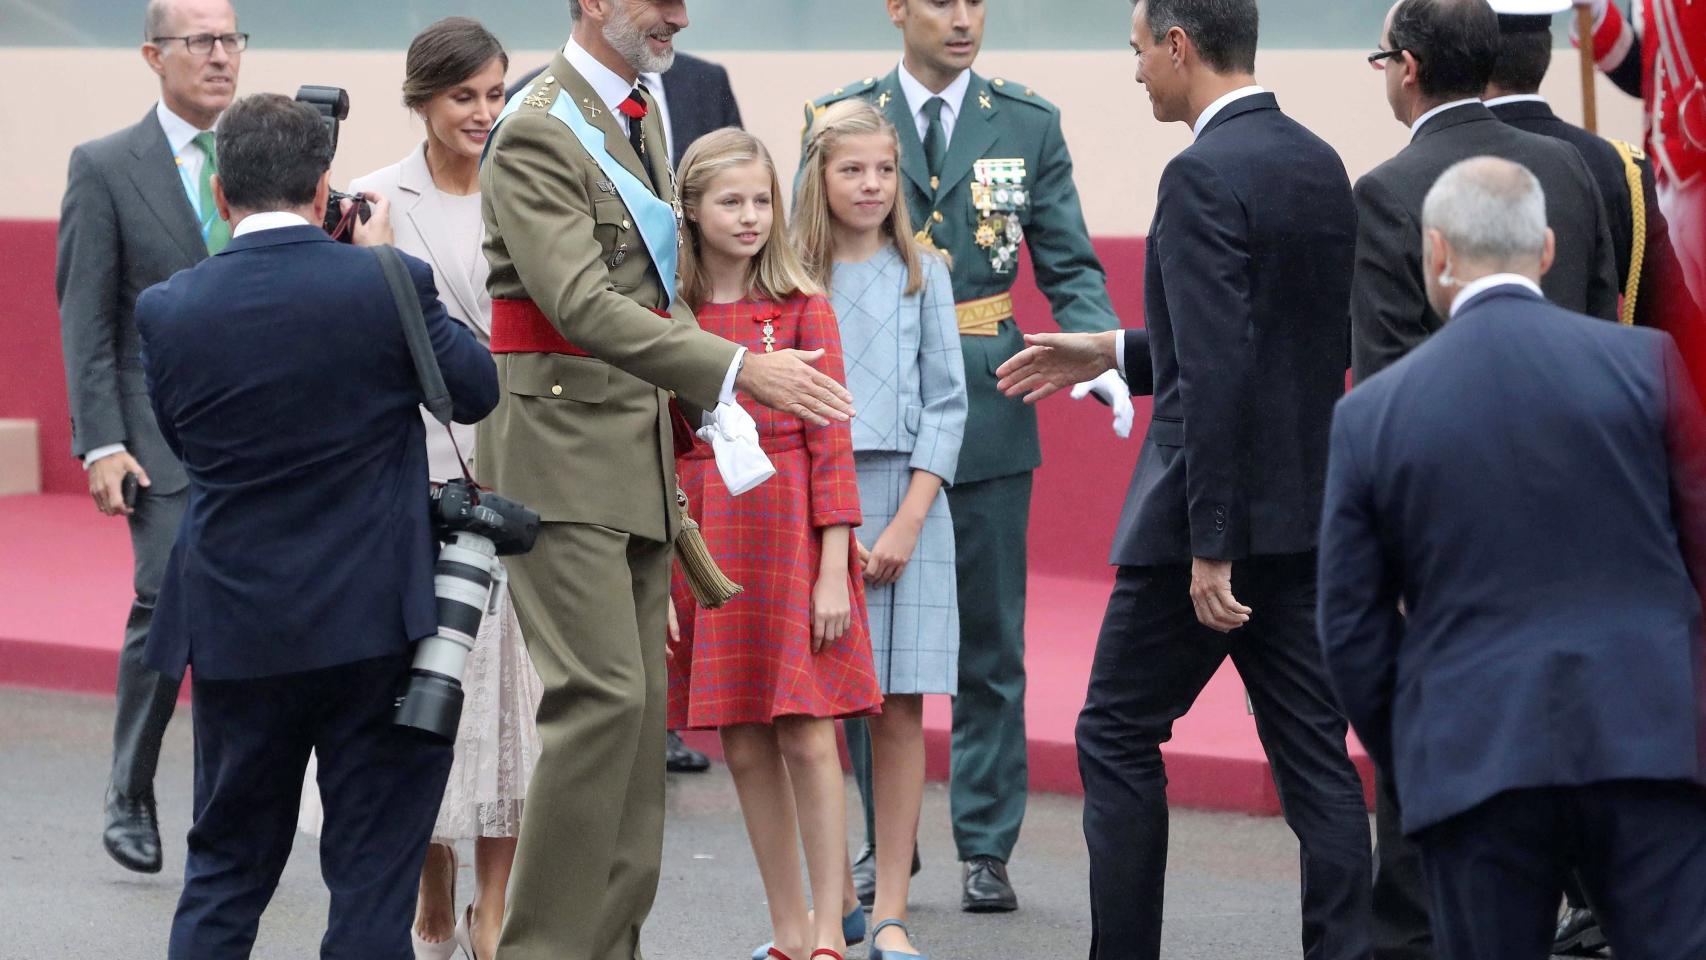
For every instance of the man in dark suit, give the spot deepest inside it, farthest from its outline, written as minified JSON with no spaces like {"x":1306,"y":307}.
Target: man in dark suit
{"x":136,"y":210}
{"x":694,"y":98}
{"x":1513,"y":94}
{"x":693,"y":94}
{"x":1436,"y":57}
{"x":1521,"y":483}
{"x":303,"y":573}
{"x":1246,"y":291}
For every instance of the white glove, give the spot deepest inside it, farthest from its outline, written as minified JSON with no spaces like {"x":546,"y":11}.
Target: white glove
{"x":1111,"y":387}
{"x":733,"y":436}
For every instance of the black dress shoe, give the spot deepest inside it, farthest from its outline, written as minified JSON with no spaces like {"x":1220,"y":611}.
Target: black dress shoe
{"x":678,"y":757}
{"x":1578,"y":934}
{"x":865,"y":872}
{"x":132,"y":836}
{"x":986,"y":887}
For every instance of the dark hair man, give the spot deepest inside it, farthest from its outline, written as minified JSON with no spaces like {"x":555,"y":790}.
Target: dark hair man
{"x":1246,"y":290}
{"x":303,"y":572}
{"x":1647,"y":270}
{"x":1436,"y":57}
{"x":1529,"y":484}
{"x":966,"y":137}
{"x":137,"y":209}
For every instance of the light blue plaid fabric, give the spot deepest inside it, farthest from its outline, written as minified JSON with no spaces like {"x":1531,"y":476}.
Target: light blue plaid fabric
{"x":915,"y":622}
{"x":905,"y":367}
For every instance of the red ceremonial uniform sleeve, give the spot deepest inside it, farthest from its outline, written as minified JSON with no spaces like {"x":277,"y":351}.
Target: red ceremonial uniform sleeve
{"x":829,"y":449}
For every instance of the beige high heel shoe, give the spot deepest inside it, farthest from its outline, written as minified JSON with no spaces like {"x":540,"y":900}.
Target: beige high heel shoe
{"x":446,"y":948}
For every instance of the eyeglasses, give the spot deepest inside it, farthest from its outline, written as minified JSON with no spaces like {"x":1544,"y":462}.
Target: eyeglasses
{"x":202,"y":43}
{"x":1377,"y":58}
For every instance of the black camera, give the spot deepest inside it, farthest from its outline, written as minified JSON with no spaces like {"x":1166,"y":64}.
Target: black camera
{"x":476,"y":528}
{"x":332,"y":103}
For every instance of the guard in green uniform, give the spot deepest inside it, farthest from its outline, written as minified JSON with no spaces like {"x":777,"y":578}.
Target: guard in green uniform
{"x":986,"y":173}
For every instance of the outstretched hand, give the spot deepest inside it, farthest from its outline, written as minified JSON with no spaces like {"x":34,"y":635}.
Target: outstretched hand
{"x":1055,"y":361}
{"x":787,"y":382}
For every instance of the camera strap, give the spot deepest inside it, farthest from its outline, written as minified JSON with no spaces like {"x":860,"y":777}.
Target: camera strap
{"x":435,"y":396}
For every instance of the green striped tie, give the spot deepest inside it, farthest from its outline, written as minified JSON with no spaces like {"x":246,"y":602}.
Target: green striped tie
{"x":216,"y":230}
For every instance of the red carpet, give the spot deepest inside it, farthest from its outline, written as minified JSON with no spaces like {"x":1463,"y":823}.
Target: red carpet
{"x":66,"y":592}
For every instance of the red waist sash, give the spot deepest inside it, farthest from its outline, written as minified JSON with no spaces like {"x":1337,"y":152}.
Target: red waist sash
{"x":519,"y":326}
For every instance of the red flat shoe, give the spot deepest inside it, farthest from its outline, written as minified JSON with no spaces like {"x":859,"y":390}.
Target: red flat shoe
{"x":825,"y":952}
{"x":775,"y":954}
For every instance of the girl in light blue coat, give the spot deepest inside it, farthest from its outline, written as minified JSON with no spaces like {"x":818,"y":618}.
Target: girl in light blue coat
{"x":895,"y":305}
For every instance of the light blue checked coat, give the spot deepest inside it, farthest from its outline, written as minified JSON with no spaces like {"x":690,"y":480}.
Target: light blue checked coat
{"x":905,"y":368}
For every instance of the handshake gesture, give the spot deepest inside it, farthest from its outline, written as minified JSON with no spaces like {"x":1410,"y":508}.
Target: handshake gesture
{"x":1085,"y":362}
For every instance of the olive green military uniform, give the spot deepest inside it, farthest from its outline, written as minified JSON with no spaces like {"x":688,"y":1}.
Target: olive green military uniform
{"x":586,"y":441}
{"x":1006,"y":176}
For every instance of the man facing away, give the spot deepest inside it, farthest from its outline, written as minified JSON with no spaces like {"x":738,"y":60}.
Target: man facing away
{"x":1647,"y":271}
{"x":303,"y":573}
{"x":1246,"y":291}
{"x":1529,"y":485}
{"x":590,"y":342}
{"x":1436,"y":57}
{"x":137,"y":209}
{"x":984,"y":165}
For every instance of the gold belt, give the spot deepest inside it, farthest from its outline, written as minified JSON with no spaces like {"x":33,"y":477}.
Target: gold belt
{"x":982,"y":317}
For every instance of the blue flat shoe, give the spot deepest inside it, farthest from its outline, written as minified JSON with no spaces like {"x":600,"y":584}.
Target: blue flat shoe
{"x":877,"y":953}
{"x":852,"y":930}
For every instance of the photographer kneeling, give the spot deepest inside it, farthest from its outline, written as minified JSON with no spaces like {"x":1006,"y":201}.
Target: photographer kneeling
{"x":303,"y":572}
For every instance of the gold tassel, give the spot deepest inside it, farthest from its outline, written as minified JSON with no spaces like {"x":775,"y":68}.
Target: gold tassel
{"x":710,"y":587}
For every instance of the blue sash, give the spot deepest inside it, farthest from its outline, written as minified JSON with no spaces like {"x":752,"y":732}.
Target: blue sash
{"x":654,"y":218}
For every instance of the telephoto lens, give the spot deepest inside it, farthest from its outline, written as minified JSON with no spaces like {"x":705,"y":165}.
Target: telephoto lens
{"x":462,"y":580}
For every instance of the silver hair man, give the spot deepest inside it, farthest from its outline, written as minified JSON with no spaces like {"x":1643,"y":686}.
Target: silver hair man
{"x":1483,"y":216}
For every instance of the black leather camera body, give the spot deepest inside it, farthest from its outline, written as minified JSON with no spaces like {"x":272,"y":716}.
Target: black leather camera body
{"x":332,"y":103}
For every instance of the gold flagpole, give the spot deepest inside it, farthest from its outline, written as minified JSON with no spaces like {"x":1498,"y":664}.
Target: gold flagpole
{"x":1584,"y":37}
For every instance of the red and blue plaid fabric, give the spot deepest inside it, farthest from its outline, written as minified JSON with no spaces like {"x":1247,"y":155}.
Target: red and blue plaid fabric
{"x":751,"y":661}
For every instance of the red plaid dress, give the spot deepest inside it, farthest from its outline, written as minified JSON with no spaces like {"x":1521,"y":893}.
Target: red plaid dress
{"x":752,"y":661}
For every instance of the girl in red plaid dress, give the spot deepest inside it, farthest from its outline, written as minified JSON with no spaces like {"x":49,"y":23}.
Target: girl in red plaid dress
{"x":774,"y":669}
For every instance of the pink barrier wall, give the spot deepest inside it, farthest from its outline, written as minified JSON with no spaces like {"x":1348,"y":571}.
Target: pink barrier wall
{"x":1078,"y":491}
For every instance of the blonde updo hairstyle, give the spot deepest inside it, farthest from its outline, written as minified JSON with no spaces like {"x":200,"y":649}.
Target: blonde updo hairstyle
{"x":775,"y":273}
{"x":812,"y":217}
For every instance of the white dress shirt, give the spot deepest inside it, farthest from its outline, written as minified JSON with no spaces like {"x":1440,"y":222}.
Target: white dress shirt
{"x":270,"y":220}
{"x":1489,"y":282}
{"x":1214,"y":108}
{"x":1416,"y":127}
{"x":612,"y":89}
{"x":190,"y":160}
{"x":917,"y":95}
{"x":1516,"y":98}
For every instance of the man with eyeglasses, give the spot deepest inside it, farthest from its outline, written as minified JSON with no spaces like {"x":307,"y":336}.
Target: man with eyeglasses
{"x":1436,"y":57}
{"x":138,"y":207}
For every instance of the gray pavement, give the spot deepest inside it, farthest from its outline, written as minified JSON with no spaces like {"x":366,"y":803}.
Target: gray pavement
{"x":1231,"y":884}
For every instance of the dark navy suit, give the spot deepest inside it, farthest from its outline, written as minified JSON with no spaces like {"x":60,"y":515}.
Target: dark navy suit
{"x":302,"y":574}
{"x":1247,"y":300}
{"x":1519,"y":483}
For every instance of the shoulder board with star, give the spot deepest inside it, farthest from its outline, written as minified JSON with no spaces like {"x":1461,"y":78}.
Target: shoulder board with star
{"x":1014,"y":90}
{"x":860,"y":88}
{"x":541,"y":93}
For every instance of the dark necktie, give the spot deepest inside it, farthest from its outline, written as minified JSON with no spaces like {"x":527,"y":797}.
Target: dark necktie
{"x":935,"y":138}
{"x":634,"y":108}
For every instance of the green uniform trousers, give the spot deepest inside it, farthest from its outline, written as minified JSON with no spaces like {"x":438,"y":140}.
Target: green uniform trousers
{"x":988,"y":775}
{"x":591,"y":602}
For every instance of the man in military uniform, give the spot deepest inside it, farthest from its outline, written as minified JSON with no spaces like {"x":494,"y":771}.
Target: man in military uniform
{"x":1640,"y":237}
{"x":985,"y":167}
{"x":582,"y":239}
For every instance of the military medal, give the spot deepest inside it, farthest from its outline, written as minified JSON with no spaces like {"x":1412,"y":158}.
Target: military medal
{"x":767,"y":314}
{"x":998,"y":192}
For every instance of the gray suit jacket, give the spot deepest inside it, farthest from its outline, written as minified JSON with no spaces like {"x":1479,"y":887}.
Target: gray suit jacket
{"x":124,"y":225}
